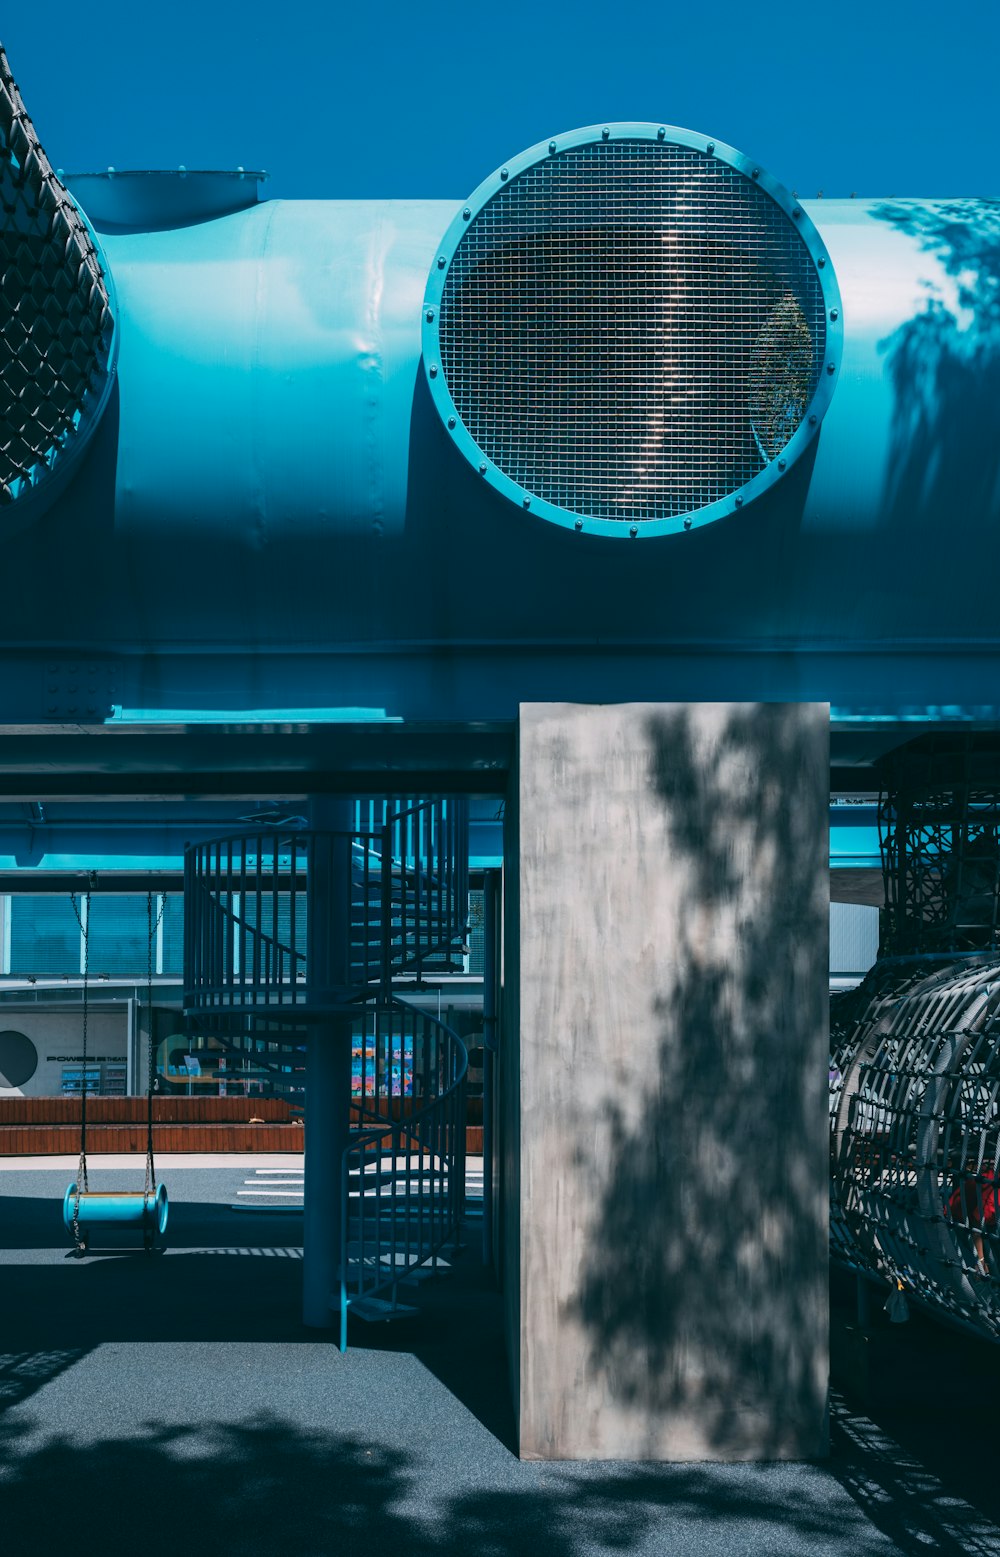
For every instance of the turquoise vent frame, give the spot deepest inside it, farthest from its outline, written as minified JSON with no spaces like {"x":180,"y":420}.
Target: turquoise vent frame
{"x":775,"y":462}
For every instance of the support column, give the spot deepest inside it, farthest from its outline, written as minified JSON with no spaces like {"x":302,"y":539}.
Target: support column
{"x":328,"y":1058}
{"x":664,"y":1070}
{"x":491,"y":1023}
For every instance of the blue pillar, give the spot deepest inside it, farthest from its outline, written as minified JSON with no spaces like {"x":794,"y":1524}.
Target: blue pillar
{"x":328,"y":1055}
{"x":491,"y":894}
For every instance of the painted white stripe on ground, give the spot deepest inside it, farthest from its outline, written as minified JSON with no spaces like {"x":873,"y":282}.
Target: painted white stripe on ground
{"x":292,"y":1194}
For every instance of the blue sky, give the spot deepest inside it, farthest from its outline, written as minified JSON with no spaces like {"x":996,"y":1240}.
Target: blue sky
{"x":384,"y":99}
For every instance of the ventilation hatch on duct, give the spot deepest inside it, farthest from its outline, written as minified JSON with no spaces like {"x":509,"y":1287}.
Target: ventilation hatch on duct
{"x":632,"y":330}
{"x":58,"y":340}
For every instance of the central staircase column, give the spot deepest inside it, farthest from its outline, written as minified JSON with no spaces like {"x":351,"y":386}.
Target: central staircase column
{"x":328,"y":1054}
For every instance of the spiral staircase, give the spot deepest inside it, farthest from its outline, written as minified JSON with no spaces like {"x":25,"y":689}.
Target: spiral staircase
{"x":287,"y":926}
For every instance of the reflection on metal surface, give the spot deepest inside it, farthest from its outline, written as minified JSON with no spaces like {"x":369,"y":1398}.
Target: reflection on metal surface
{"x":781,"y":377}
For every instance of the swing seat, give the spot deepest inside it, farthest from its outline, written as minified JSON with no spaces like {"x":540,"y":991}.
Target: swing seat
{"x":116,"y":1209}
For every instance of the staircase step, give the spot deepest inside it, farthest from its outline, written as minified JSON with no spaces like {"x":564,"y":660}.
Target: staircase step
{"x":374,"y":1310}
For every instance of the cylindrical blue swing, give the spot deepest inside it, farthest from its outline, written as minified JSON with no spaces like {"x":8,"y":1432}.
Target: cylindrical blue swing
{"x":88,"y":1214}
{"x":112,"y":1209}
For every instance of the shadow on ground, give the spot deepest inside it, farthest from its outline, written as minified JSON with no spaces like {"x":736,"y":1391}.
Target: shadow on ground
{"x":269,"y":1487}
{"x":265,"y":1484}
{"x":228,"y":1278}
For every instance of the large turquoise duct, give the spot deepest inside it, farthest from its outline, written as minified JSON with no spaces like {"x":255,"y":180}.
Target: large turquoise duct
{"x":631,"y":394}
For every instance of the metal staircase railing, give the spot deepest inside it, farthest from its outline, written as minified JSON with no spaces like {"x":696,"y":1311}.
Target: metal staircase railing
{"x":403,"y":1174}
{"x":247,"y":980}
{"x":246,"y":907}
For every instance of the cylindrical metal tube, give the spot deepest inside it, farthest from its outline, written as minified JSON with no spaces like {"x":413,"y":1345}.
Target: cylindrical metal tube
{"x":118,"y":1209}
{"x":915,"y":1118}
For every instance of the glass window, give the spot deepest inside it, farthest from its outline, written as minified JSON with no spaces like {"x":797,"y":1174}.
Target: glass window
{"x":44,"y":935}
{"x":173,"y":933}
{"x":477,"y":933}
{"x":119,"y":934}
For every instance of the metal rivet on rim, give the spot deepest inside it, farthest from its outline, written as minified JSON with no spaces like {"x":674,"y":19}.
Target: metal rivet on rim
{"x":755,"y":173}
{"x":634,"y":531}
{"x":504,"y":173}
{"x":834,"y":314}
{"x":605,"y":133}
{"x":739,"y":502}
{"x":552,"y":146}
{"x":782,"y":464}
{"x":433,"y":370}
{"x":710,"y":147}
{"x":466,"y":214}
{"x":578,"y":525}
{"x":442,"y":262}
{"x":831,"y":367}
{"x":430,"y":315}
{"x":821,"y":262}
{"x":482,"y":468}
{"x":796,"y":213}
{"x":451,"y":421}
{"x":687,"y":524}
{"x":527,"y":502}
{"x":661,"y":134}
{"x":813,"y":420}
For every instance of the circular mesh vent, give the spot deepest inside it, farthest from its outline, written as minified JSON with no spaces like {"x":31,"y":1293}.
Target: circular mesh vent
{"x":629,"y":330}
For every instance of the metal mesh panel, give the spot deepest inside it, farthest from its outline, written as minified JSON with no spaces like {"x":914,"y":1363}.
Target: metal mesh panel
{"x":631,"y":330}
{"x":915,"y":1116}
{"x":939,"y":826}
{"x":55,"y":318}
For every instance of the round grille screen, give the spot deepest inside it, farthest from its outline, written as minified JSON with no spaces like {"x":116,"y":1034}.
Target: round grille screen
{"x":631,"y":329}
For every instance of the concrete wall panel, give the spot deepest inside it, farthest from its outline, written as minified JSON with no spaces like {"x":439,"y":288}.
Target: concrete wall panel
{"x":57,"y":1037}
{"x":671,"y":1067}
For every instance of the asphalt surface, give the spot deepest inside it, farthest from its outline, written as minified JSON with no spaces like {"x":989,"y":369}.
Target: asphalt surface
{"x":174,"y":1404}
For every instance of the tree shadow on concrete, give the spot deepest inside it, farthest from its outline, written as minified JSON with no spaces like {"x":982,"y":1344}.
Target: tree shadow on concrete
{"x":270,"y":1486}
{"x":944,"y":364}
{"x":704,"y":1286}
{"x":24,"y":1372}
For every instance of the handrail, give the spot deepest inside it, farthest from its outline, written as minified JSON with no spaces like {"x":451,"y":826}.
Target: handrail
{"x":418,"y":1207}
{"x":233,"y":963}
{"x":407,"y":904}
{"x":409,"y":893}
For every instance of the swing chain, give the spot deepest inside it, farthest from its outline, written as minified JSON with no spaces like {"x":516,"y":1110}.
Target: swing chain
{"x":150,"y":1184}
{"x":82,"y":1184}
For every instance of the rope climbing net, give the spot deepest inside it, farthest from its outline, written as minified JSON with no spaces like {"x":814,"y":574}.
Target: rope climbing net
{"x":56,"y":324}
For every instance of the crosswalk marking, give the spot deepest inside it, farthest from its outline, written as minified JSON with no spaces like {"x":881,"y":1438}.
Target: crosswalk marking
{"x":292,"y":1194}
{"x":288,"y":1184}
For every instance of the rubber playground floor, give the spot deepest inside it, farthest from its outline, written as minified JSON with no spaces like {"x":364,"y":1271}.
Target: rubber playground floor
{"x":175,"y":1404}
